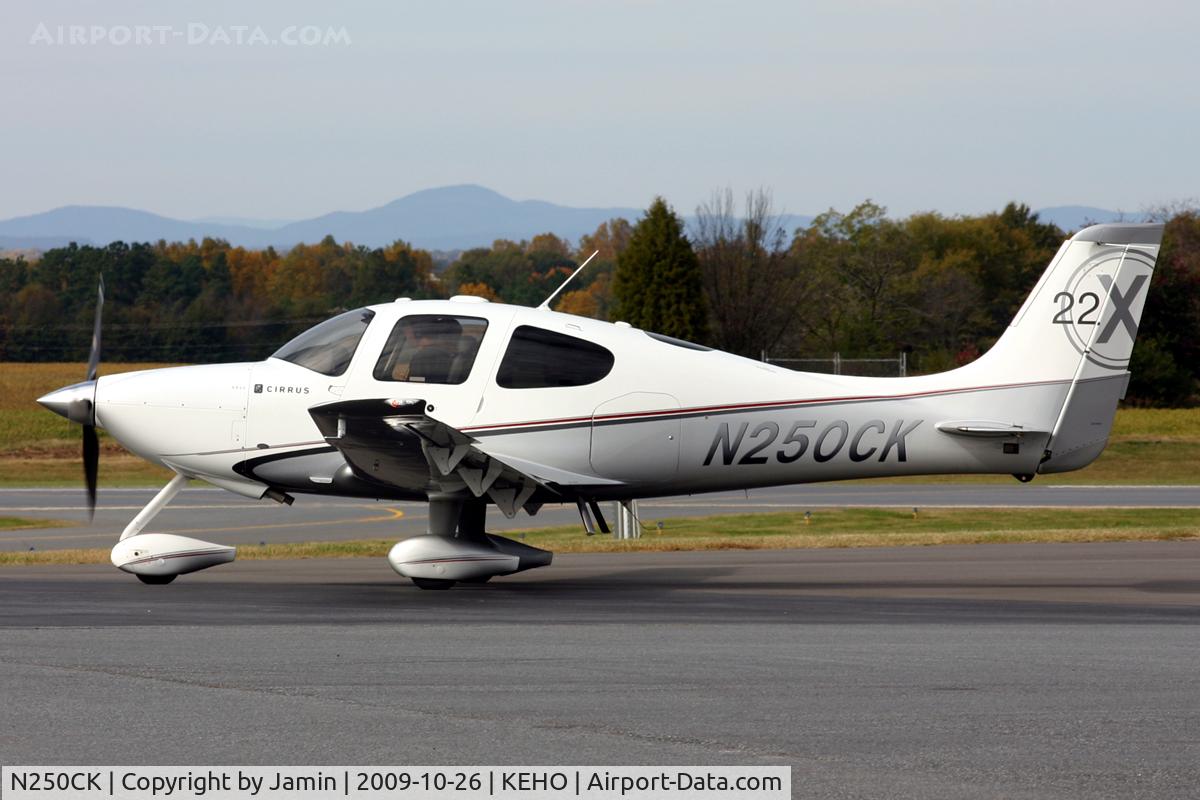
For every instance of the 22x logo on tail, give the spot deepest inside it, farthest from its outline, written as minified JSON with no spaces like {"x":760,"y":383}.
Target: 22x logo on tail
{"x":1099,"y":316}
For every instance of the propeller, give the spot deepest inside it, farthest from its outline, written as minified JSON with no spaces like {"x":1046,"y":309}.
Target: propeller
{"x":78,"y":404}
{"x":91,"y":442}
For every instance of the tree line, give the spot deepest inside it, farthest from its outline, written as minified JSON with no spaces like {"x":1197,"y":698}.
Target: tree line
{"x":941,"y":289}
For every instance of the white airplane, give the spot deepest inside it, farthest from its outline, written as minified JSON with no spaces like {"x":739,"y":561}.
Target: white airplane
{"x":466,"y":403}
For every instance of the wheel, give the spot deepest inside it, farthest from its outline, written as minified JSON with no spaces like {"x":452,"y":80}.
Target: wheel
{"x":484,"y":579}
{"x":432,"y":583}
{"x":156,"y":580}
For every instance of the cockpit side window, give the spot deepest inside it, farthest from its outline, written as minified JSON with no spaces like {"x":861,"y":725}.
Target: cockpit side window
{"x":328,"y":348}
{"x":431,"y":348}
{"x":538,"y":358}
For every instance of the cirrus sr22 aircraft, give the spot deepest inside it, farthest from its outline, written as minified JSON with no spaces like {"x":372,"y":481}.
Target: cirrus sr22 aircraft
{"x":468,"y":404}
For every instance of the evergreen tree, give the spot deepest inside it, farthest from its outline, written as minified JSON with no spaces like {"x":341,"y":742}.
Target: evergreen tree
{"x":657,"y":285}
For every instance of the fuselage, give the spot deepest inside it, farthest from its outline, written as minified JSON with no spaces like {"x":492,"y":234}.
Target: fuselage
{"x":665,"y":417}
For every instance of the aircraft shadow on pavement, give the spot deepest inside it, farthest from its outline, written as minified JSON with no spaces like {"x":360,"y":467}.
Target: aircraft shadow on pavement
{"x":630,"y":596}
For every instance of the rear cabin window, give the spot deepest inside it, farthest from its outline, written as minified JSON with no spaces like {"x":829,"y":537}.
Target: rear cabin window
{"x":328,"y":348}
{"x":431,"y":348}
{"x":538,"y":359}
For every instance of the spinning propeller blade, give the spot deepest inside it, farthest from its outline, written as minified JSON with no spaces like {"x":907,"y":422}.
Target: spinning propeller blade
{"x":91,"y":465}
{"x":94,"y":356}
{"x":91,"y":442}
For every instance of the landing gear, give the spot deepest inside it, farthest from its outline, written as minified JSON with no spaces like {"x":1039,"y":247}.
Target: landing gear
{"x":156,"y":558}
{"x":457,"y":548}
{"x":432,"y":583}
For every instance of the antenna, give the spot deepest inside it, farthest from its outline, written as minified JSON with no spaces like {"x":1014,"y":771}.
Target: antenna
{"x":546,"y":303}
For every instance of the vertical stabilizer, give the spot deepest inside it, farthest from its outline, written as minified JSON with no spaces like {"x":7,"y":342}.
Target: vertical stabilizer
{"x":1078,"y":326}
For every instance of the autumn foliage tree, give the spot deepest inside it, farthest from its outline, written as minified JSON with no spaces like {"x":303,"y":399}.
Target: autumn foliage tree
{"x":525,"y":273}
{"x":193,"y":301}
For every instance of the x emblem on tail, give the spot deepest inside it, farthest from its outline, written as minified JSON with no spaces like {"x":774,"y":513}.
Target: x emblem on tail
{"x":1122,"y":311}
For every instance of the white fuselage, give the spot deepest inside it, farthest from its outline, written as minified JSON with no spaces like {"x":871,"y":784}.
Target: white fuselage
{"x":666,"y":419}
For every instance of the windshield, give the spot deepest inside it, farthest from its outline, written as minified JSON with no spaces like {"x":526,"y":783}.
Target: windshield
{"x":328,"y":347}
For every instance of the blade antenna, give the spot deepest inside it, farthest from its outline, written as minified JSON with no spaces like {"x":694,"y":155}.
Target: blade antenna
{"x":546,"y":303}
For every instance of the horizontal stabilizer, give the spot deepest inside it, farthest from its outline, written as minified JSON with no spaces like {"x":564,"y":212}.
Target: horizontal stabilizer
{"x":985,"y":429}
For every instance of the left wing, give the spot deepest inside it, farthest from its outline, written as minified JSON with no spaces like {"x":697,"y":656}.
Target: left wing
{"x":395,"y":442}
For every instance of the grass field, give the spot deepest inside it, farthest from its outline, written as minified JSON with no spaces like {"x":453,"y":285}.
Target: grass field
{"x":20,"y":523}
{"x":26,"y":426}
{"x":37,"y":448}
{"x":859,"y":527}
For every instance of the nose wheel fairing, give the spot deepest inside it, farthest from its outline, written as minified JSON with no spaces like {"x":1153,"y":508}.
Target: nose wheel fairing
{"x":159,"y":557}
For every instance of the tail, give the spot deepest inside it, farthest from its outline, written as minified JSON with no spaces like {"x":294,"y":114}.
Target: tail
{"x":1078,"y":326}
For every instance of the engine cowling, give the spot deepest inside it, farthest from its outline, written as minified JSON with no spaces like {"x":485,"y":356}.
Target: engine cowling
{"x":453,"y":559}
{"x":162,"y":554}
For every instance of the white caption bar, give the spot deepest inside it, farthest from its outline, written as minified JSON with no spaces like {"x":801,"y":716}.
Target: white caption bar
{"x":377,"y":783}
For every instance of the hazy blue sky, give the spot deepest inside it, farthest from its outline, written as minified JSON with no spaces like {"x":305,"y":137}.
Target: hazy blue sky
{"x":955,"y":106}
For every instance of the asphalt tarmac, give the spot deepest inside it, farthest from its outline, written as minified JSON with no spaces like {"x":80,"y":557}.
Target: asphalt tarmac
{"x":216,"y":515}
{"x":1015,"y":671}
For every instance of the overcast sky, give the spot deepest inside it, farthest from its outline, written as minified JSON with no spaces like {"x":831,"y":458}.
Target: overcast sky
{"x":956,"y":106}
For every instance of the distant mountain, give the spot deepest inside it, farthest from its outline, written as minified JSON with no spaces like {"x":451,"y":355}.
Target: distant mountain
{"x":1072,"y":218}
{"x":104,"y":224}
{"x":245,"y":222}
{"x":449,"y":218}
{"x":452,"y":217}
{"x":38,"y":243}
